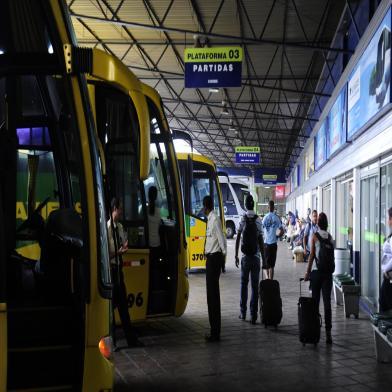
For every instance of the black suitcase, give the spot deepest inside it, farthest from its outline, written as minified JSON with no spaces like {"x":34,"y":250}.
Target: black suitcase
{"x":389,"y":335}
{"x":270,"y":303}
{"x":375,"y":318}
{"x":384,"y":325}
{"x":309,"y":319}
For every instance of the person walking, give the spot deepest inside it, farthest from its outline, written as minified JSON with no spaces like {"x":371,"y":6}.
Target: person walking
{"x":215,"y":253}
{"x":320,"y":272}
{"x":251,"y":232}
{"x":271,"y":223}
{"x":385,"y":300}
{"x":311,"y":228}
{"x":118,"y":245}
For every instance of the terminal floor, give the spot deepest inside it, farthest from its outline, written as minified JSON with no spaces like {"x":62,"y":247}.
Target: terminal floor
{"x":250,"y":357}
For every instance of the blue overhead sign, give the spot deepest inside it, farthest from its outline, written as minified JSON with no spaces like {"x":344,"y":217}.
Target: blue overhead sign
{"x":247,"y":155}
{"x":236,"y":171}
{"x":269,"y":176}
{"x":270,"y":179}
{"x":213,"y":67}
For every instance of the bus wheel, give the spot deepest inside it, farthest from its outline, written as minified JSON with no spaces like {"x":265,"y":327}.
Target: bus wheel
{"x":230,"y":230}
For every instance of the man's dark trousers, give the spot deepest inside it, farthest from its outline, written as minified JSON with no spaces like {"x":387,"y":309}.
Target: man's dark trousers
{"x":250,"y":265}
{"x":213,"y":269}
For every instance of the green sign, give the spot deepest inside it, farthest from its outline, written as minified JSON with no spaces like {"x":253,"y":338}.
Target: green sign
{"x":270,"y":177}
{"x":213,"y":55}
{"x":213,"y":67}
{"x":247,"y":149}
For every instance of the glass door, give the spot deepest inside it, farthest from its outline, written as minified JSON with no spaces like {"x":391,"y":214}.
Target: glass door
{"x":370,"y":239}
{"x":314,"y":199}
{"x":386,"y":203}
{"x":327,"y":202}
{"x":344,"y":212}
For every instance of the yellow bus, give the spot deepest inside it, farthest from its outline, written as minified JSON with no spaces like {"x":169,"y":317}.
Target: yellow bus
{"x":55,"y":285}
{"x":199,"y":178}
{"x":152,"y":289}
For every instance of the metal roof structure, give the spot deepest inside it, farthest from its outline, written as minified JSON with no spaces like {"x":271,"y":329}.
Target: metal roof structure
{"x":286,"y":44}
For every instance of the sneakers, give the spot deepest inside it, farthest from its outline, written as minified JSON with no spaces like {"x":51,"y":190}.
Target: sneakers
{"x":242,"y":316}
{"x":253,"y":320}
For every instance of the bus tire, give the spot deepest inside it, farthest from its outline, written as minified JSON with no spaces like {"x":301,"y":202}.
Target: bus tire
{"x":230,"y":230}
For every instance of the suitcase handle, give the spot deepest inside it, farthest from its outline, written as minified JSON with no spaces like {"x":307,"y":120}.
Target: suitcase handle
{"x":300,"y":286}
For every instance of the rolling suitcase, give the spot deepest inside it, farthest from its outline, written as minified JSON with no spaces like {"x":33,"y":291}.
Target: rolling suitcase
{"x":375,"y":318}
{"x":270,"y":303}
{"x":384,"y":325}
{"x":309,"y":319}
{"x":389,"y":335}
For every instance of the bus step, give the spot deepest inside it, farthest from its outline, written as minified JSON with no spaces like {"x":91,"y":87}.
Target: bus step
{"x":57,"y":388}
{"x":41,"y":367}
{"x":43,"y":326}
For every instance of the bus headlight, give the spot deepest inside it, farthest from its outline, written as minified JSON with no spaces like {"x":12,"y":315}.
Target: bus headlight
{"x":106,"y":347}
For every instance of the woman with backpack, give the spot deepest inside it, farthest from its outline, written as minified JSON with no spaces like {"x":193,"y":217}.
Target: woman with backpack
{"x":320,"y":272}
{"x":386,"y":267}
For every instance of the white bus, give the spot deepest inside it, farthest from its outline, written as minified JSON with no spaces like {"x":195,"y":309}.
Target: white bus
{"x":233,"y":194}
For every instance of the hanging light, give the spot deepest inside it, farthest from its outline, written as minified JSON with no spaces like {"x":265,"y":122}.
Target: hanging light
{"x":224,"y":108}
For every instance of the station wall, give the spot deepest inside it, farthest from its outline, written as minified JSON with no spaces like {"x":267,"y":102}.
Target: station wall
{"x":353,"y":186}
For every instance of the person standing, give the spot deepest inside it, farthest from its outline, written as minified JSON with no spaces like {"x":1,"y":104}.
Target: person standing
{"x":320,"y":272}
{"x":251,"y":231}
{"x":118,"y":245}
{"x":308,"y":213}
{"x":215,"y":253}
{"x":154,"y":221}
{"x":310,"y":229}
{"x":271,"y":223}
{"x":385,"y":300}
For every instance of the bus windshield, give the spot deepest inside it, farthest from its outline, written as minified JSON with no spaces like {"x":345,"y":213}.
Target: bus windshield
{"x":241,"y":192}
{"x":204,"y":183}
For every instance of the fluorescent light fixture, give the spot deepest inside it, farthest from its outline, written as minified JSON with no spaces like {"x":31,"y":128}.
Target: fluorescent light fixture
{"x":1,"y":51}
{"x":225,"y":111}
{"x":267,"y":187}
{"x":214,"y":90}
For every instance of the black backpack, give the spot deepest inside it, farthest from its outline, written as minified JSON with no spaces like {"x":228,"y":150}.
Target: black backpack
{"x":250,"y":236}
{"x":326,"y":258}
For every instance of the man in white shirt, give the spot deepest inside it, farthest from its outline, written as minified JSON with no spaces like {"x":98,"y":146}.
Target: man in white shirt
{"x":215,"y":252}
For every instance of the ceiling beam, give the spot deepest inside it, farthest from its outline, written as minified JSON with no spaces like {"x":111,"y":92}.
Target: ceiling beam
{"x":244,"y":40}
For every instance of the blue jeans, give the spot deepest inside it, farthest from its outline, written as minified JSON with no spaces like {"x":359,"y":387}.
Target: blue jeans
{"x":250,"y":265}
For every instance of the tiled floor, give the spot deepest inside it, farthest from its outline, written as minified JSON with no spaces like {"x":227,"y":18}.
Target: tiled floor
{"x":250,"y":358}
